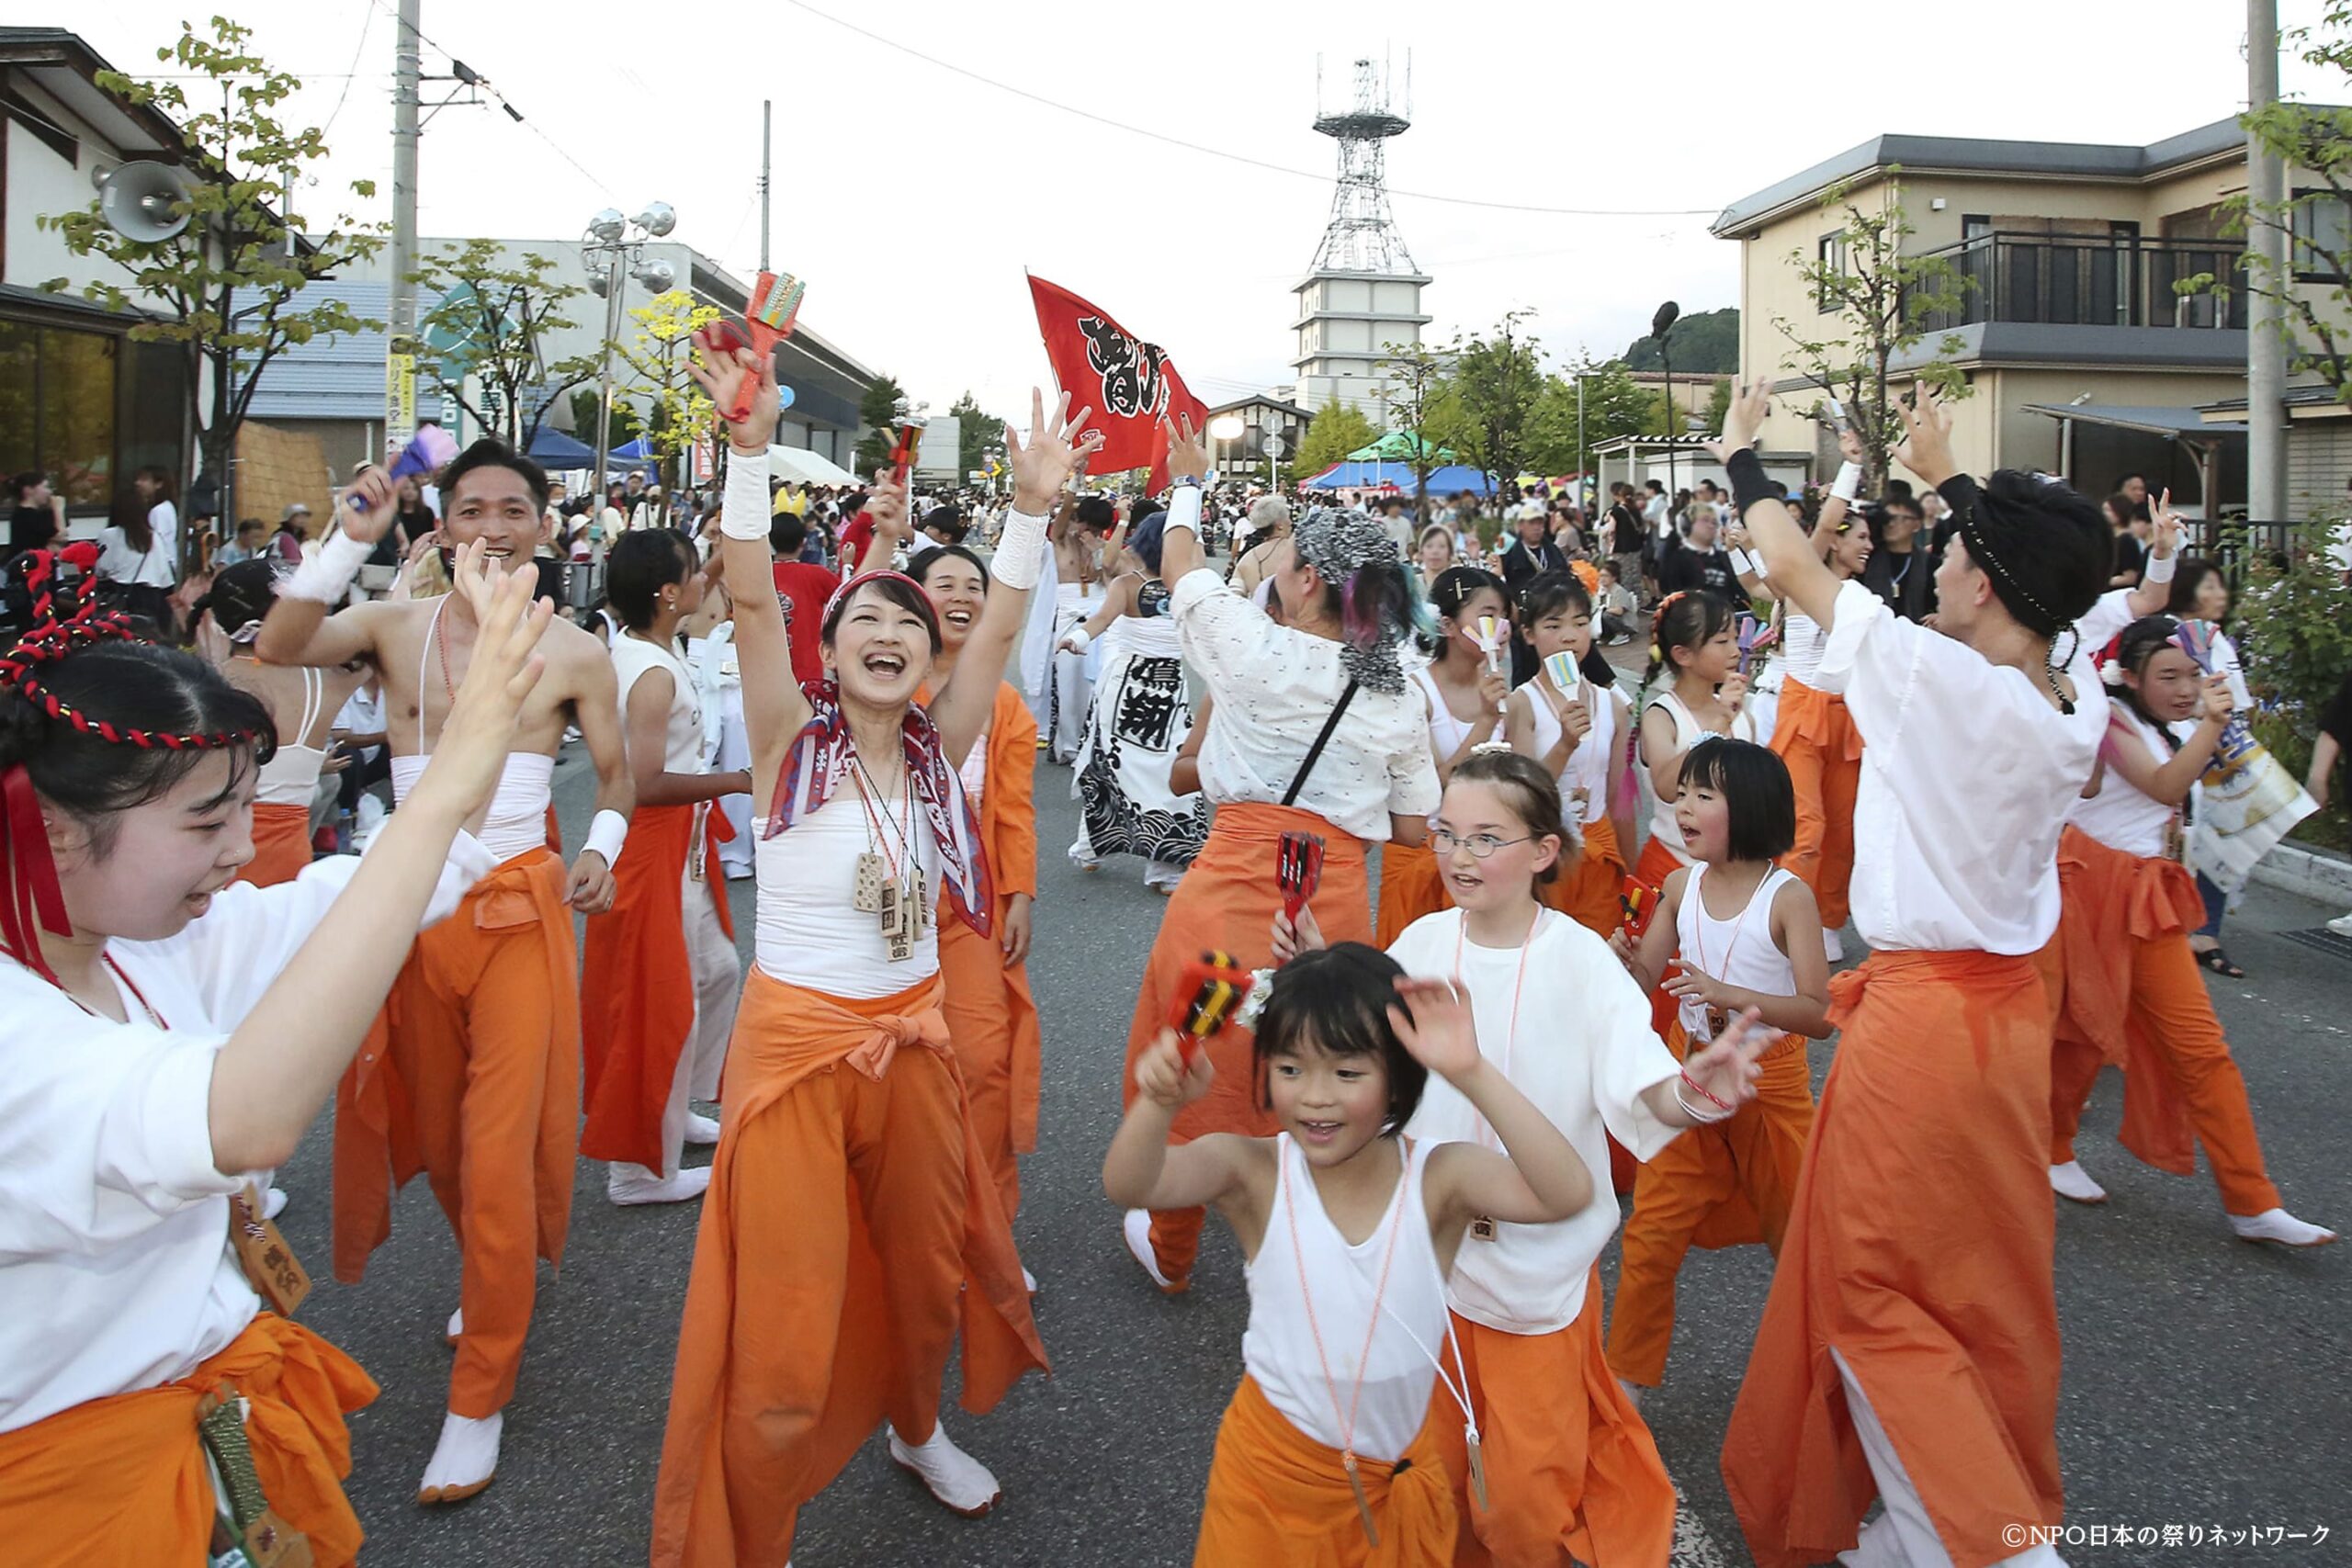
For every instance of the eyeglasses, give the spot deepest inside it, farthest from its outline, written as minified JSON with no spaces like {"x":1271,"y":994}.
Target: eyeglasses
{"x":1480,"y":845}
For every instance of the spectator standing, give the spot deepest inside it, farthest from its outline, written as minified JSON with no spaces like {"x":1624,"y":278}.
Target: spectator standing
{"x":37,"y":513}
{"x":139,"y":558}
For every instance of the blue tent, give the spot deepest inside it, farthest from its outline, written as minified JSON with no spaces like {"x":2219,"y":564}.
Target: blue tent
{"x":1371,"y":475}
{"x":553,"y":448}
{"x":637,"y":451}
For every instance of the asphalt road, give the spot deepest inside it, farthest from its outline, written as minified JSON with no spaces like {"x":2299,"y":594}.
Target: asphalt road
{"x":2204,"y":1378}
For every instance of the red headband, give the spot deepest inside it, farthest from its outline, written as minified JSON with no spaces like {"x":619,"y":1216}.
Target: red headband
{"x":860,"y":580}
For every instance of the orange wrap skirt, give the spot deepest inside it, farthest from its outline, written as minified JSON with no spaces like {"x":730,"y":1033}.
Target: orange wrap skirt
{"x":1590,"y":888}
{"x":850,"y":1233}
{"x":1411,"y":885}
{"x":1814,"y":735}
{"x":124,"y":1481}
{"x":1277,"y":1496}
{"x":281,"y":844}
{"x":992,"y":1020}
{"x":1919,"y":1248}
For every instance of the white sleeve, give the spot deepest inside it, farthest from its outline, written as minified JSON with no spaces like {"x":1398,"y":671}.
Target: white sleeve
{"x":1233,"y":644}
{"x":1037,"y":635}
{"x":1628,"y":1058}
{"x":2103,"y":620}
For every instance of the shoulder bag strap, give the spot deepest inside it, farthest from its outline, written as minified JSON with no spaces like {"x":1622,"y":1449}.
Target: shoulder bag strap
{"x":1315,"y":753}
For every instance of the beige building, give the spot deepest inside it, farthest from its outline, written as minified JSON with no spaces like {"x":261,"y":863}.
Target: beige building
{"x":2081,"y":358}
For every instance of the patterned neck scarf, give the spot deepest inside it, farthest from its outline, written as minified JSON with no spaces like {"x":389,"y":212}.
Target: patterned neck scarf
{"x":1341,"y":544}
{"x":822,"y":752}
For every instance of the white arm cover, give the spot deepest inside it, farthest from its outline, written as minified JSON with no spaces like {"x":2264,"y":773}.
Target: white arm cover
{"x":1184,"y":510}
{"x":743,"y":512}
{"x":1020,"y":551}
{"x":2160,"y":568}
{"x":606,"y":834}
{"x":1849,"y":481}
{"x":327,"y":577}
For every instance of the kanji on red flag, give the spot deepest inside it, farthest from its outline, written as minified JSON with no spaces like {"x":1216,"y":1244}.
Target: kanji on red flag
{"x":1131,"y":385}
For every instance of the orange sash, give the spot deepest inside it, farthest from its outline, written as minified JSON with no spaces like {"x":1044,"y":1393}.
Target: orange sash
{"x":1820,"y":720}
{"x":123,"y":1480}
{"x":281,"y":844}
{"x":1590,"y":887}
{"x":1411,"y":885}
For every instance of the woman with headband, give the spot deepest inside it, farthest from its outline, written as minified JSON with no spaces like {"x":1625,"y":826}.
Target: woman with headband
{"x":1317,"y":731}
{"x":852,"y":1228}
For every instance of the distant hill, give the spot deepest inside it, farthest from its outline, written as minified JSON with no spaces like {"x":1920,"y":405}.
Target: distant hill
{"x":1707,"y":341}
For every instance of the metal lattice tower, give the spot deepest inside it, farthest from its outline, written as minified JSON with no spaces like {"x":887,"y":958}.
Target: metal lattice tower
{"x":1363,"y":234}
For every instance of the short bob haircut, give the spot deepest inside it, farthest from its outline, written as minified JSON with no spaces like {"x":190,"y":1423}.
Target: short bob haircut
{"x":1335,"y":1001}
{"x":893,"y":589}
{"x":1755,"y":784}
{"x":642,"y":563}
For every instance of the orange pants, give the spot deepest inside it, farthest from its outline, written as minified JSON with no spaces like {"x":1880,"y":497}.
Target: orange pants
{"x":1590,"y":887}
{"x":1815,"y":737}
{"x":1572,"y":1472}
{"x":281,"y":844}
{"x":123,"y":1480}
{"x":992,"y":1020}
{"x":850,"y":1233}
{"x":474,"y":1079}
{"x":1277,"y":1496}
{"x":1658,"y":863}
{"x":1919,"y":1248}
{"x":1411,"y":885}
{"x":1728,"y":1185}
{"x":2129,"y":972}
{"x":1226,"y":903}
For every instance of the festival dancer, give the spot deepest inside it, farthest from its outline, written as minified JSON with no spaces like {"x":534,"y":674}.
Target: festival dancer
{"x":991,"y":1017}
{"x":1139,"y":720}
{"x":1910,"y":1344}
{"x":476,"y":1082}
{"x":168,"y":1038}
{"x":1317,"y":732}
{"x":657,"y":989}
{"x":302,"y":706}
{"x":1748,"y":937}
{"x":1570,"y":1470}
{"x":853,"y":1227}
{"x":2132,"y":993}
{"x":1576,"y":736}
{"x":1090,"y":539}
{"x":1464,"y":691}
{"x":1331,"y":1450}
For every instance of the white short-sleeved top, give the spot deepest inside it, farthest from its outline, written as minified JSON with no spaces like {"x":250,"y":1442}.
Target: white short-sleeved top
{"x":633,"y":659}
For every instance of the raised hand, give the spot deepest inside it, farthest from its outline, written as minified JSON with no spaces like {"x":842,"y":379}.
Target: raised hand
{"x":1926,"y":448}
{"x":1743,"y":418}
{"x":1726,"y":1068}
{"x":1849,"y":445}
{"x":885,"y":505}
{"x":1167,"y":1079}
{"x":2165,"y":525}
{"x":507,"y":664}
{"x":367,"y":509}
{"x":1044,"y":463}
{"x":2218,"y":705}
{"x":719,"y":371}
{"x":1188,"y":453}
{"x":1434,"y":1022}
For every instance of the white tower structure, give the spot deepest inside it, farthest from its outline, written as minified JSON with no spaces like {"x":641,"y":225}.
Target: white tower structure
{"x":1364,"y":293}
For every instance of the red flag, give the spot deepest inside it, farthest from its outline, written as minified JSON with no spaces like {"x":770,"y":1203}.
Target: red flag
{"x":1131,"y":385}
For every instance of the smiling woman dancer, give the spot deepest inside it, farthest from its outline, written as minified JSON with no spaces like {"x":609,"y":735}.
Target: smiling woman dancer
{"x":1317,"y":731}
{"x":852,"y":1227}
{"x":167,"y":1039}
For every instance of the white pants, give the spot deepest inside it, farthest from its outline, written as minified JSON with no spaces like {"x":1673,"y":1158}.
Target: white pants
{"x":734,"y":752}
{"x":1904,"y":1537}
{"x":718,"y":971}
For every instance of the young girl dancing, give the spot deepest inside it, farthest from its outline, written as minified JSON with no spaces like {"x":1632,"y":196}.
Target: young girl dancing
{"x":165,"y":1039}
{"x":1330,"y":1452}
{"x":1570,"y":1466}
{"x":1749,"y":937}
{"x":2134,"y":996}
{"x":1576,"y":735}
{"x":1465,"y":695}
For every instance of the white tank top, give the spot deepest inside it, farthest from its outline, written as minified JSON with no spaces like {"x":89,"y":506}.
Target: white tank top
{"x":1802,"y":641}
{"x":2121,"y":815}
{"x":1687,"y":734}
{"x":1590,"y":764}
{"x":1447,"y":732}
{"x":683,"y":742}
{"x":290,"y":778}
{"x":809,"y":933}
{"x":1279,"y":1347}
{"x":1738,"y":952}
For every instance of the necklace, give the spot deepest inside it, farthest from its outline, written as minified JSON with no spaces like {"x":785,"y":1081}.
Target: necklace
{"x":1347,"y":1419}
{"x":886,"y":883}
{"x":1482,"y":1227}
{"x":1716,"y":1020}
{"x":128,"y":984}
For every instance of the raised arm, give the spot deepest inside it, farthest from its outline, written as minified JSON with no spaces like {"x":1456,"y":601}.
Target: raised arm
{"x":2169,"y":782}
{"x":1188,"y":465}
{"x":1140,"y":1171}
{"x":1795,"y":567}
{"x":2152,"y":594}
{"x":299,"y":629}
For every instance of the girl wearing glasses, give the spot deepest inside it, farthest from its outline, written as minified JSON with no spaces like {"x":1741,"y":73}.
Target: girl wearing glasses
{"x":1568,"y":1465}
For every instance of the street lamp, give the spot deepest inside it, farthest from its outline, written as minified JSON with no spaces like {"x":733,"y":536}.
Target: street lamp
{"x":1225,"y":427}
{"x":615,"y":241}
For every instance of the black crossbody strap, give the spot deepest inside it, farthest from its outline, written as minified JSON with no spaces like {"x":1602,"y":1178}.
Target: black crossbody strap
{"x":1315,"y":753}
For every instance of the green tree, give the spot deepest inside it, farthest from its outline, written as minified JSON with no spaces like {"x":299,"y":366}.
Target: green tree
{"x":1497,"y":380}
{"x":1614,"y":405}
{"x":656,"y":359}
{"x":978,"y":431}
{"x":495,"y":318}
{"x":1418,"y":381}
{"x":1718,"y":402}
{"x":1335,"y":430}
{"x":1704,"y":341}
{"x":229,"y":289}
{"x":879,"y":411}
{"x":1875,"y":301}
{"x":623,"y":427}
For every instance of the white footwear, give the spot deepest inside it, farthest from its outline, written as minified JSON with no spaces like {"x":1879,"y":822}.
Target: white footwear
{"x":464,"y":1461}
{"x":2071,"y":1181}
{"x":2341,"y":925}
{"x":1137,"y":1227}
{"x":701,"y":1129}
{"x":1029,"y":1281}
{"x":961,"y":1482}
{"x":273,"y":1203}
{"x":1634,"y":1392}
{"x":456,"y":1328}
{"x":631,"y":1184}
{"x":1831,"y":947}
{"x":2279,"y":1225}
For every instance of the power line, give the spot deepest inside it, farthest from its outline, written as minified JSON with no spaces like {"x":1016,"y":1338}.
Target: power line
{"x":1319,"y":178}
{"x":367,"y":22}
{"x":533,"y":126}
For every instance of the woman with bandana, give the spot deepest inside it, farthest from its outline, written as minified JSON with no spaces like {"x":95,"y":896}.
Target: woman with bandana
{"x":1316,"y":731}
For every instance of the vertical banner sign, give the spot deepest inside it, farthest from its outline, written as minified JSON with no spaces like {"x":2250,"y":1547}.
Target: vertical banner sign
{"x":399,"y":400}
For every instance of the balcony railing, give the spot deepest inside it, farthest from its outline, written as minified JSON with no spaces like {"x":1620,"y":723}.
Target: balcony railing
{"x":2091,"y":281}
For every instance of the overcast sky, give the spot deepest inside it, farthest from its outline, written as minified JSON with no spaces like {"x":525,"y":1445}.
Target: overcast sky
{"x":911,"y":196}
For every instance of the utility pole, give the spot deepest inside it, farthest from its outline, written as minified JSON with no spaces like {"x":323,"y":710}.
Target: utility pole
{"x":767,"y":121}
{"x":400,"y":366}
{"x":2265,"y":346}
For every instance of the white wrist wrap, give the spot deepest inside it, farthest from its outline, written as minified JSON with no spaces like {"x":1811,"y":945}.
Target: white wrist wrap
{"x":1078,"y":640}
{"x":1184,"y":510}
{"x":327,"y":577}
{"x":2161,"y":568}
{"x":606,"y":834}
{"x":743,"y":512}
{"x":1747,"y":565}
{"x":1849,"y":481}
{"x":1021,"y":551}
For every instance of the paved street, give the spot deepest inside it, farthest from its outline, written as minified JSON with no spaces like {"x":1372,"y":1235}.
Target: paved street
{"x":2204,"y":1378}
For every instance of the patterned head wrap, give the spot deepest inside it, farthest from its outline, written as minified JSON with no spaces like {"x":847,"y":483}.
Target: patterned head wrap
{"x":1341,"y":544}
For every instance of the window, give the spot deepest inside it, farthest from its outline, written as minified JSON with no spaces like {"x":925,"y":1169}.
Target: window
{"x":56,"y":409}
{"x":2322,"y":237}
{"x":1831,"y":255}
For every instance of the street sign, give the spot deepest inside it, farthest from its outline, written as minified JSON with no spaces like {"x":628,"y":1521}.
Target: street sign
{"x":399,"y":400}
{"x":1273,"y":446}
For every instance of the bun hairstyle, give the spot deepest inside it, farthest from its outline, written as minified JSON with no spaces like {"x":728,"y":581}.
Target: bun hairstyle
{"x":2047,"y":551}
{"x":643,"y":563}
{"x":1334,"y":1002}
{"x":1690,"y":619}
{"x":1455,"y":588}
{"x":1533,"y":797}
{"x":1548,"y":594}
{"x":240,"y":597}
